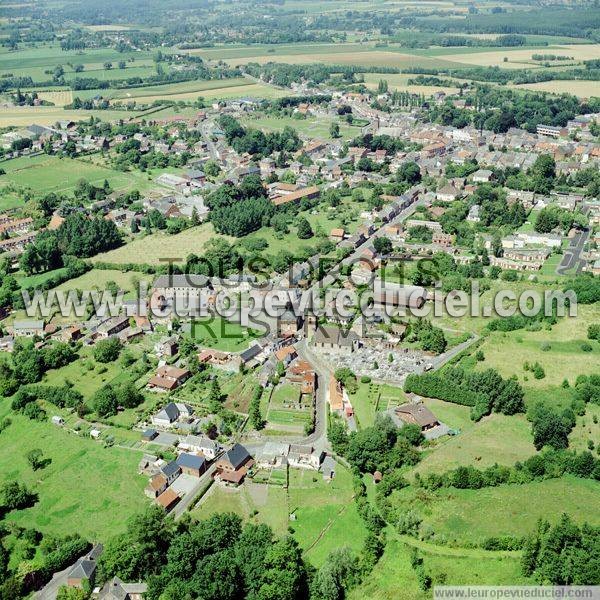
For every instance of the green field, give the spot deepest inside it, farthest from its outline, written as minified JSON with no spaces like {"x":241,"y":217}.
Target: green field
{"x":372,"y":398}
{"x":87,"y":488}
{"x":467,"y":516}
{"x":287,"y":407}
{"x":326,"y":516}
{"x":496,"y":438}
{"x":562,"y":358}
{"x":217,"y":333}
{"x":311,"y":126}
{"x":20,"y":116}
{"x":394,"y":579}
{"x":86,"y":375}
{"x":157,"y":247}
{"x":43,"y":174}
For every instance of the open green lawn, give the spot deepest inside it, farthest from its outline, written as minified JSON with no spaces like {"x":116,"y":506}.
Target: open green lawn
{"x":562,"y":358}
{"x":494,"y":439}
{"x":467,"y":516}
{"x":216,"y":332}
{"x":325,"y":512}
{"x":43,"y":174}
{"x":394,"y":578}
{"x":157,"y":247}
{"x":311,"y":126}
{"x":87,"y":489}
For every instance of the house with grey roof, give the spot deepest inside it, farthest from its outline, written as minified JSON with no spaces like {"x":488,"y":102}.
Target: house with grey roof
{"x":116,"y":589}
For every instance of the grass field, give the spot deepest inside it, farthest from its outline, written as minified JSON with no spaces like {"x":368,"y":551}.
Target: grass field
{"x":372,"y":398}
{"x":86,"y":375}
{"x":463,"y":516}
{"x":223,"y":335}
{"x":43,"y":174}
{"x":325,"y":512}
{"x":313,"y":127}
{"x":586,"y":429}
{"x":150,"y":249}
{"x":287,"y":407}
{"x":87,"y":489}
{"x":494,"y":439}
{"x":562,"y":359}
{"x":394,"y":579}
{"x":34,"y":61}
{"x":100,"y":278}
{"x":165,"y":91}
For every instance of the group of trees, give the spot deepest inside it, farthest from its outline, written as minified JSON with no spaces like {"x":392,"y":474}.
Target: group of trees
{"x":214,"y":559}
{"x":550,"y":427}
{"x":237,"y":211}
{"x":382,"y":447}
{"x":431,"y":338}
{"x":549,"y":464}
{"x":485,"y":391}
{"x":28,"y":363}
{"x":563,"y":554}
{"x":78,"y":236}
{"x":109,"y":398}
{"x":255,"y":142}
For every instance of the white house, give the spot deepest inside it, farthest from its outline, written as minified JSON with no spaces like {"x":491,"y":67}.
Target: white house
{"x":195,"y":443}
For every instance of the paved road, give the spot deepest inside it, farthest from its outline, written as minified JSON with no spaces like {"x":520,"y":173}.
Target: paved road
{"x":331,"y":276}
{"x":572,"y":256}
{"x":201,"y":483}
{"x":439,"y":361}
{"x":49,"y":591}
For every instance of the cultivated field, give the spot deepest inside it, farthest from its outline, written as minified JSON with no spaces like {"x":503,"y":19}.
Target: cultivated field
{"x":235,"y":91}
{"x":374,"y":58}
{"x":49,"y":115}
{"x":583,"y":89}
{"x":58,"y":98}
{"x":518,"y":58}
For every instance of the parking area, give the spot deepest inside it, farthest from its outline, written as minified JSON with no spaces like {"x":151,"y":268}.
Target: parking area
{"x":184,"y":484}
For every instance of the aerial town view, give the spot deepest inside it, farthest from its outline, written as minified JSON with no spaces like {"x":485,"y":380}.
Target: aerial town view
{"x":299,"y":300}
